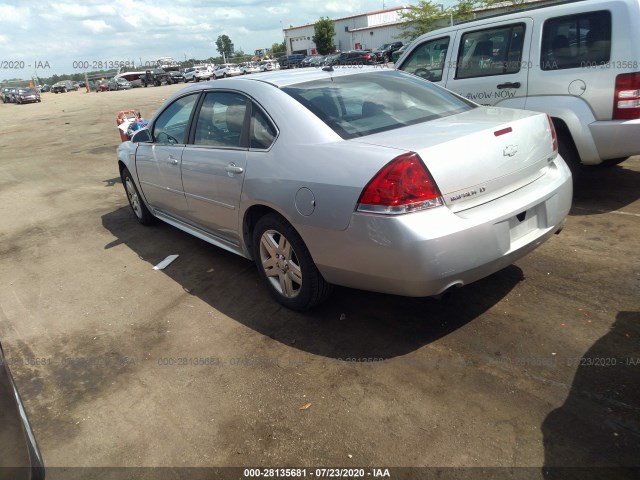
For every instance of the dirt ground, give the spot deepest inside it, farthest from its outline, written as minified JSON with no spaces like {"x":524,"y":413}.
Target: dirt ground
{"x":195,"y":366}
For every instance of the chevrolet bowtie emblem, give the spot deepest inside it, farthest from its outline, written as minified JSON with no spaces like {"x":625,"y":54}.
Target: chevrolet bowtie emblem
{"x":510,"y":150}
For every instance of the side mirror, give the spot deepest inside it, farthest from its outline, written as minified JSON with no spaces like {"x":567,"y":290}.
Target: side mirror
{"x":142,"y":136}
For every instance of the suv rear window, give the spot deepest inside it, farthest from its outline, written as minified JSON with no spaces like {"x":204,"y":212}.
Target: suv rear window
{"x":576,"y":41}
{"x":364,"y":104}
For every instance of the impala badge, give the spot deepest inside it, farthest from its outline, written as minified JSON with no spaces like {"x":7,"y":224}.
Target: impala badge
{"x":510,"y":150}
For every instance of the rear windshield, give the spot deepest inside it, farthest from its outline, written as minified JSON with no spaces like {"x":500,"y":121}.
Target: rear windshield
{"x":358,"y":105}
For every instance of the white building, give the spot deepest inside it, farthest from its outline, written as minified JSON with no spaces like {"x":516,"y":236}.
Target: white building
{"x":368,"y":31}
{"x":364,"y":31}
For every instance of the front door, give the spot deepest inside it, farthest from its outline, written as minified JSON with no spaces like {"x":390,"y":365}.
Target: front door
{"x":158,"y":163}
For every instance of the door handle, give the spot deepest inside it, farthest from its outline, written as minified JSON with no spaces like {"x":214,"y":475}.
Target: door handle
{"x":232,"y":168}
{"x":509,"y":85}
{"x":173,"y":160}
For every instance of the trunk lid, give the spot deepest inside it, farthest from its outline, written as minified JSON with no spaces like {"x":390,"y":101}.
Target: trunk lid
{"x":479,"y":155}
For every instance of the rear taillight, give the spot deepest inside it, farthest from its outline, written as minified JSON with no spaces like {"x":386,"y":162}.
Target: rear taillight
{"x":554,"y":137}
{"x":626,"y":103}
{"x":403,"y":185}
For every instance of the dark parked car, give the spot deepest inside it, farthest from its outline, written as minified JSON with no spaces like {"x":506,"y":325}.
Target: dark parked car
{"x":354,"y":57}
{"x":385,"y":52}
{"x":119,"y":83}
{"x":45,"y":88}
{"x":291,"y":61}
{"x":20,"y":458}
{"x":27,"y":95}
{"x":8,"y":94}
{"x":156,"y":77}
{"x":63,"y":86}
{"x":312,"y":61}
{"x":398,"y":53}
{"x":101,"y":86}
{"x":176,"y":77}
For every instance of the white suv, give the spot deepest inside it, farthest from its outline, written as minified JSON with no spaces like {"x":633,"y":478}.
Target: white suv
{"x":197,"y":73}
{"x":579,"y":62}
{"x":226,"y":70}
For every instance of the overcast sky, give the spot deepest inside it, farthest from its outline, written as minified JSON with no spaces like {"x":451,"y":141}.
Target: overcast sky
{"x":63,"y":34}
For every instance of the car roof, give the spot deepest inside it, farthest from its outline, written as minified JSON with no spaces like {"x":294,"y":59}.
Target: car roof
{"x":284,"y":78}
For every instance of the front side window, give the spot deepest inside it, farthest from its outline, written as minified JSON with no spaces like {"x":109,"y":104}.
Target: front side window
{"x":576,"y":41}
{"x":427,"y":60}
{"x":364,"y":104}
{"x":172,"y":124}
{"x":494,"y":51}
{"x":221,"y":120}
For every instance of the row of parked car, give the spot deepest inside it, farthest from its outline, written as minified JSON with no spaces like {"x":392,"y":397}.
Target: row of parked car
{"x":382,"y":54}
{"x":20,"y":95}
{"x":205,"y":72}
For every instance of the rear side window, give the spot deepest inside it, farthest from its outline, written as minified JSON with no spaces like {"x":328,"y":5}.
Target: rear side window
{"x":221,"y":120}
{"x":262,"y":131}
{"x":576,"y":41}
{"x":494,"y":51}
{"x":364,"y":104}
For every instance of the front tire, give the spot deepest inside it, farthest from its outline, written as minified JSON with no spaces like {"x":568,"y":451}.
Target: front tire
{"x":136,"y":201}
{"x":286,"y":266}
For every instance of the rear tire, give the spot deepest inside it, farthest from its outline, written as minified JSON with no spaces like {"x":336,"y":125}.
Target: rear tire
{"x":286,"y":266}
{"x":136,"y":202}
{"x":569,"y":152}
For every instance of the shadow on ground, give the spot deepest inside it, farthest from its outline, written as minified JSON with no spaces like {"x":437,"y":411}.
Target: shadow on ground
{"x":598,"y":426}
{"x":351,"y":323}
{"x":601,"y":189}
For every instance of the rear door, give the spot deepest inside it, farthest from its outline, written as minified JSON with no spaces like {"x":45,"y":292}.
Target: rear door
{"x":490,"y":64}
{"x":214,"y":162}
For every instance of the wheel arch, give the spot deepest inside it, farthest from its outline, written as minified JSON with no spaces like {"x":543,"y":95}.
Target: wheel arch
{"x":251,"y":217}
{"x":575,"y":115}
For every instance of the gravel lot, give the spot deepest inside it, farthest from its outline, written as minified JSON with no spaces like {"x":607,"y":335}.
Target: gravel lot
{"x":121,"y":365}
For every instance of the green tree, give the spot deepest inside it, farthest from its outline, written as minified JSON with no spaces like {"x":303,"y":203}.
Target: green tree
{"x":429,"y":15}
{"x":224,"y":45}
{"x":422,"y":18}
{"x":323,"y":37}
{"x":279,"y":47}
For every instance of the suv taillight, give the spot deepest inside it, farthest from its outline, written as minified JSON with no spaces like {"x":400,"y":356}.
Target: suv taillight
{"x":554,"y":137}
{"x":626,"y":103}
{"x":403,"y":185}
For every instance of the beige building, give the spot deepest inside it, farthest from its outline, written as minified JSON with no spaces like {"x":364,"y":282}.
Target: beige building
{"x":364,"y":31}
{"x":368,"y":31}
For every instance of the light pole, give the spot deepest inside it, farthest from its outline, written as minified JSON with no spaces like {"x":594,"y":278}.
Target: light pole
{"x":284,"y":37}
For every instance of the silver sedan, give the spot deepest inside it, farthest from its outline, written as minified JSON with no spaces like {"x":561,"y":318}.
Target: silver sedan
{"x":367,"y":178}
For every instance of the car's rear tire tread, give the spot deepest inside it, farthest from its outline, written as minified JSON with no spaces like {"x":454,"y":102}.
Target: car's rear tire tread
{"x":315,"y":289}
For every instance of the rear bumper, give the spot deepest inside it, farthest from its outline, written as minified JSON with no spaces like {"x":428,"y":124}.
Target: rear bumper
{"x":427,"y":252}
{"x":616,"y":138}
